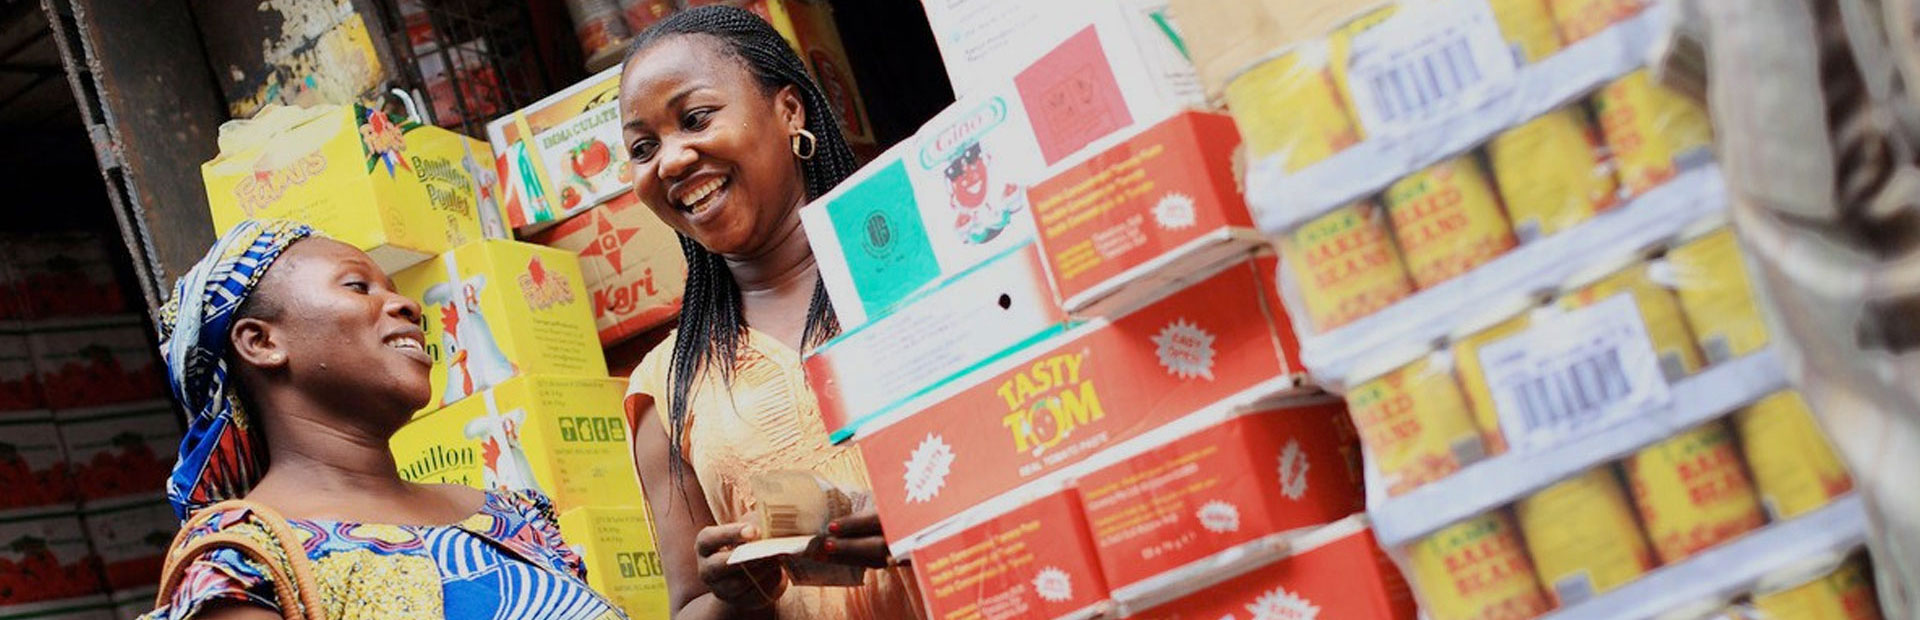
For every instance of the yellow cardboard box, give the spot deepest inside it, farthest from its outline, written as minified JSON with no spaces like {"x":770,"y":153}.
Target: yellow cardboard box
{"x":496,"y":310}
{"x":560,"y":435}
{"x":622,"y":564}
{"x":401,"y":191}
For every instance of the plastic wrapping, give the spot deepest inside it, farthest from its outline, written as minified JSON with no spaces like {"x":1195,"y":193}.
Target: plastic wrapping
{"x":1583,"y":536}
{"x":1660,"y":312}
{"x":1476,"y":569}
{"x":1653,"y":132}
{"x":1710,"y":279}
{"x":1528,"y":27}
{"x":1830,"y":586}
{"x":1447,"y":221}
{"x":1794,"y":468}
{"x":1288,"y":107}
{"x":1552,"y":173}
{"x":1412,"y":419}
{"x":1693,"y":492}
{"x":1499,"y":321}
{"x":1579,"y":19}
{"x":1342,"y":266}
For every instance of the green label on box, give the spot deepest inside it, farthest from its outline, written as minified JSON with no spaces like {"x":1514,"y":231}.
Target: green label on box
{"x":883,"y":238}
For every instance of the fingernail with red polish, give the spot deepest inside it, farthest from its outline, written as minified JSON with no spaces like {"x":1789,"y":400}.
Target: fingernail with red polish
{"x":833,"y":528}
{"x":829,"y":546}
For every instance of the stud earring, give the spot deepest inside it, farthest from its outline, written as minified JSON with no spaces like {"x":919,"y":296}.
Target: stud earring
{"x":277,"y":358}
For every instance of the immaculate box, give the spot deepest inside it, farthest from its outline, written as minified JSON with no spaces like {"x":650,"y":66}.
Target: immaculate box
{"x":47,"y":554}
{"x":634,"y":268}
{"x":120,"y":452}
{"x":132,"y":540}
{"x":562,"y":436}
{"x":1118,"y":222}
{"x":33,"y":467}
{"x":562,"y":155}
{"x":496,"y":310}
{"x":1068,"y":397}
{"x":90,"y":365}
{"x":1033,"y":561}
{"x":622,"y":564}
{"x":1347,"y":577}
{"x":399,"y":190}
{"x":1248,"y":477}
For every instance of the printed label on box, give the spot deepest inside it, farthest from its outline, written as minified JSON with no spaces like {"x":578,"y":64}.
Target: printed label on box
{"x":616,"y":544}
{"x":632,"y":262}
{"x":46,"y":558}
{"x":885,"y":241}
{"x":1583,"y":370}
{"x":1427,"y":64}
{"x":33,"y":467}
{"x":1072,"y":96}
{"x":1035,"y":561}
{"x":1347,"y":578}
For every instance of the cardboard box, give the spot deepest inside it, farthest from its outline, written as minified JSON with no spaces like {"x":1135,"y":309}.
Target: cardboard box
{"x":33,"y":467}
{"x":120,"y":452}
{"x":91,"y":365}
{"x":496,"y":310}
{"x":622,"y":564}
{"x":401,"y":191}
{"x":985,"y":40}
{"x":90,"y":607}
{"x":1246,"y":478}
{"x":808,"y":26}
{"x":131,"y":604}
{"x":19,"y":381}
{"x":1119,"y":221}
{"x":132,"y":540}
{"x":1346,"y":577}
{"x":1070,"y":396}
{"x":45,"y":557}
{"x":562,"y":436}
{"x":562,"y":155}
{"x":1225,"y":38}
{"x":632,"y":261}
{"x":1034,"y":561}
{"x":994,"y":309}
{"x":64,"y":275}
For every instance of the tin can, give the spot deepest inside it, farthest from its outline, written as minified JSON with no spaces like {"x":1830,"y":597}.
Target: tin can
{"x":1447,"y":221}
{"x":1583,"y":537}
{"x":1501,"y":321}
{"x":1711,"y":282}
{"x":1579,"y":19}
{"x":1476,"y":570}
{"x":1287,"y":106}
{"x":1528,"y":27}
{"x":1551,"y":173}
{"x":1340,"y":44}
{"x":1344,"y":265}
{"x":1794,"y":468}
{"x":1652,"y":131}
{"x":1822,"y":588}
{"x":1412,"y":419}
{"x":1666,"y":326}
{"x":1692,"y":492}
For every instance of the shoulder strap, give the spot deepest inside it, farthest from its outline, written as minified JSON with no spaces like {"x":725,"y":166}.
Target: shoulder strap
{"x":285,"y":560}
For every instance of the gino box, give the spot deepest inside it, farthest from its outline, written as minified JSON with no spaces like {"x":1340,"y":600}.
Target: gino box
{"x":401,"y":191}
{"x":1338,"y":571}
{"x":993,"y":309}
{"x":1065,"y":398}
{"x":617,"y":546}
{"x":562,"y":436}
{"x":1242,"y":479}
{"x":1034,"y":561}
{"x":121,"y":451}
{"x":1120,"y":221}
{"x":634,"y":269}
{"x":496,"y":310}
{"x":562,"y":155}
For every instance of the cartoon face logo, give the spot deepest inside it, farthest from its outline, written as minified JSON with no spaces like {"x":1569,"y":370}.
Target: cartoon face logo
{"x":967,"y":177}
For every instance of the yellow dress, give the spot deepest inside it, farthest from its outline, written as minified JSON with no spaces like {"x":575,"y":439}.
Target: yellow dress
{"x":767,"y":420}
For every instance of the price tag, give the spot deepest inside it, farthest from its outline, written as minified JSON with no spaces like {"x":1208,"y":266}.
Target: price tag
{"x":1573,"y":374}
{"x":1426,"y":64}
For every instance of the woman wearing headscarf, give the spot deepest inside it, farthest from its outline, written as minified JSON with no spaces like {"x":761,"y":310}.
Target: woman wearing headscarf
{"x":296,"y":361}
{"x":729,"y":137}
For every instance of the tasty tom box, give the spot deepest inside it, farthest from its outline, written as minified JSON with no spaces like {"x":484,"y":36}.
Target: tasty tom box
{"x":90,"y":365}
{"x":993,"y":309}
{"x":496,"y":310}
{"x":1339,"y":573}
{"x":132,"y":540}
{"x":1245,"y":478}
{"x":45,"y":557}
{"x":399,"y":190}
{"x":1034,"y":561}
{"x":1119,"y":222}
{"x":33,"y":467}
{"x":617,"y":546}
{"x":1070,"y":396}
{"x":119,"y":453}
{"x":634,"y":268}
{"x":561,"y":155}
{"x":562,"y":436}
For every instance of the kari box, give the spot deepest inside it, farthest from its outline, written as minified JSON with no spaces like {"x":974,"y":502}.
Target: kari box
{"x":1337,"y":572}
{"x":617,"y":546}
{"x":132,"y":540}
{"x":1248,"y":477}
{"x":634,"y":269}
{"x":496,"y":310}
{"x":1121,"y":221}
{"x":96,"y":364}
{"x":561,"y":155}
{"x":399,"y":190}
{"x":19,"y":381}
{"x":562,"y":436}
{"x":1034,"y":561}
{"x":33,"y":467}
{"x":1062,"y":399}
{"x":45,"y":557}
{"x":981,"y":40}
{"x":993,"y":309}
{"x":119,"y":452}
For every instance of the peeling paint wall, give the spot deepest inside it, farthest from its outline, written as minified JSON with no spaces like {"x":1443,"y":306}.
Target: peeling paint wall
{"x":290,"y":52}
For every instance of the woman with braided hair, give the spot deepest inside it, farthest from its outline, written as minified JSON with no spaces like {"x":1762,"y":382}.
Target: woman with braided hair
{"x":729,"y":137}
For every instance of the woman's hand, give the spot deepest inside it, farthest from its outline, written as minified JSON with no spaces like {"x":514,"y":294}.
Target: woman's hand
{"x":855,"y":540}
{"x":747,"y":585}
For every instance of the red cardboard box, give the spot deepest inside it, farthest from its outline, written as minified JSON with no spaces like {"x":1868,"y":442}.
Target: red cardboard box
{"x":1067,"y":397}
{"x":100,"y":365}
{"x":45,"y":557}
{"x":1118,"y":222}
{"x":33,"y":468}
{"x":1035,"y":561}
{"x":19,"y":384}
{"x":1348,"y":577}
{"x":632,"y":263}
{"x":120,"y":453}
{"x":1248,"y":477}
{"x":65,"y":275}
{"x":132,"y":540}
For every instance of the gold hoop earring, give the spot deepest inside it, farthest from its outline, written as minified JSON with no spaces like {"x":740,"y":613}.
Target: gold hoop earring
{"x":803,"y":144}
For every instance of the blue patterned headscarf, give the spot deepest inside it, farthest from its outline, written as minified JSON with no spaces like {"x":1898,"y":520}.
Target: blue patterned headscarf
{"x":218,"y":457}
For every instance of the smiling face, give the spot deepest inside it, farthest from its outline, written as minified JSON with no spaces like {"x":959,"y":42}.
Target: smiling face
{"x":710,"y":144}
{"x":967,"y":173}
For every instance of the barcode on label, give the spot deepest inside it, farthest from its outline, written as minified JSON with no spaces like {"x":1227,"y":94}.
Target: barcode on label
{"x":1573,"y":589}
{"x":1415,"y":86}
{"x":783,"y":520}
{"x":1573,"y":373}
{"x":1426,"y":63}
{"x":1576,"y":392}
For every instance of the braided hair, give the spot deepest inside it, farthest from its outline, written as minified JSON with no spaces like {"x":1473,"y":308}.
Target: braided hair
{"x":711,"y":318}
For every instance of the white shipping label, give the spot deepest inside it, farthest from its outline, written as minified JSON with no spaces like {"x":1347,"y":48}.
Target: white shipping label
{"x":1427,"y":64}
{"x":1573,"y":374}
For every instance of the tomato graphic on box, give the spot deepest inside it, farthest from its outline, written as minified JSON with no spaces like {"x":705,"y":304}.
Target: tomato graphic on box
{"x":591,"y":158}
{"x":120,"y":454}
{"x":19,"y":385}
{"x":131,"y":541}
{"x":44,"y":558}
{"x":33,"y":467}
{"x":94,"y":366}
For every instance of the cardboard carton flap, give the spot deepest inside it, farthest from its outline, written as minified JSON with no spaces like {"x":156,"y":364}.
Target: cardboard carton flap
{"x":289,"y":128}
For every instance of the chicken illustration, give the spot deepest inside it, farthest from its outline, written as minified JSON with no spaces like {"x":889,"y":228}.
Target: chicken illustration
{"x":505,"y":466}
{"x":474,"y":360}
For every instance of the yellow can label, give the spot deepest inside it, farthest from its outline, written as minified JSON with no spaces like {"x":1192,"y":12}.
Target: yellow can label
{"x":1844,"y":594}
{"x":1415,"y":425}
{"x":1579,"y":19}
{"x":1551,"y":174}
{"x":1693,"y":492}
{"x":1794,"y":468}
{"x":1447,"y":221}
{"x":1711,"y":281}
{"x":1651,"y":130}
{"x":1476,"y":570}
{"x":1583,"y":536}
{"x":1473,"y":379}
{"x":1528,"y":27}
{"x":1287,"y":107}
{"x":1344,"y":265}
{"x":616,"y":544}
{"x":1672,"y":342}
